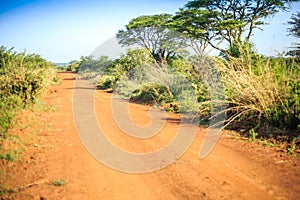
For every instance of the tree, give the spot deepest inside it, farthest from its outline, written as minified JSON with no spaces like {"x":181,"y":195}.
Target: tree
{"x":295,"y":31}
{"x":231,"y":21}
{"x":91,"y":64}
{"x":195,"y":24}
{"x":295,"y":22}
{"x":152,"y":33}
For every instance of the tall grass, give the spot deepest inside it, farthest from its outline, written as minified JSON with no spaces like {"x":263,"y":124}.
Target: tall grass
{"x":263,"y":92}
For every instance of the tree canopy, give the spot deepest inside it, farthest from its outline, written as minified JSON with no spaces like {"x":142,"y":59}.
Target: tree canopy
{"x":230,"y":21}
{"x":195,"y":24}
{"x":295,"y":31}
{"x":295,"y":22}
{"x":152,"y":33}
{"x":203,"y":23}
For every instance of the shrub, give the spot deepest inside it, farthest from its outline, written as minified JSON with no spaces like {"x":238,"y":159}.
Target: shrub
{"x":152,"y":94}
{"x":262,"y":91}
{"x":22,"y":78}
{"x":110,"y":72}
{"x":155,"y":84}
{"x":73,"y":66}
{"x":106,"y":82}
{"x":59,"y":182}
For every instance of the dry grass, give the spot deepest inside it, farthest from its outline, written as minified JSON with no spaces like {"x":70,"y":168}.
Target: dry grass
{"x":262,"y":91}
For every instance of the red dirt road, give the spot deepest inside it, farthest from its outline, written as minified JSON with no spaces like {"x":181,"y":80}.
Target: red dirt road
{"x":236,"y":169}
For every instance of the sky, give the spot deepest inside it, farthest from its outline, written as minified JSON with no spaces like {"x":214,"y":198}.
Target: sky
{"x":65,"y":30}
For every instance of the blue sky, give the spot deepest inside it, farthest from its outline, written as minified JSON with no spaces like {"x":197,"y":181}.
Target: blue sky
{"x":64,"y":30}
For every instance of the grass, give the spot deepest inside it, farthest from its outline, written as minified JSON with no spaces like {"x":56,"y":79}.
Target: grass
{"x":6,"y":190}
{"x":10,"y":155}
{"x":59,"y":182}
{"x":292,"y":147}
{"x":13,"y":145}
{"x":263,"y":98}
{"x":253,"y":135}
{"x":262,"y":93}
{"x":267,"y":143}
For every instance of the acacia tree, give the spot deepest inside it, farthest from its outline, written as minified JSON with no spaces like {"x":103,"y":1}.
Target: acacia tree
{"x":295,"y":22}
{"x":196,"y":25}
{"x":152,"y":33}
{"x":295,"y":31}
{"x":231,"y":21}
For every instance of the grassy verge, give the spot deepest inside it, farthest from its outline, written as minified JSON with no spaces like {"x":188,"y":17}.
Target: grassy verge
{"x":23,"y":78}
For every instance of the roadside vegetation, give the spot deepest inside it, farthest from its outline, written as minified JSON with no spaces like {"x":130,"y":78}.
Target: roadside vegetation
{"x":23,"y":77}
{"x":168,"y":63}
{"x":261,"y":94}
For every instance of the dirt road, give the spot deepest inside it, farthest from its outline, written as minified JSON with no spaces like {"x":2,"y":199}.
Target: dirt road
{"x":236,"y":169}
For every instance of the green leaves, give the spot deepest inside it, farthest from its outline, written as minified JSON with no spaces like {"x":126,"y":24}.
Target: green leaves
{"x":295,"y":23}
{"x":194,"y":23}
{"x":22,"y":78}
{"x":111,"y":73}
{"x":295,"y":31}
{"x":204,"y":22}
{"x":231,"y":21}
{"x":152,"y":32}
{"x":149,"y":21}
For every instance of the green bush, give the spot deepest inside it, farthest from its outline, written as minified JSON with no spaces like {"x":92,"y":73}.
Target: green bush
{"x":22,"y":78}
{"x":153,"y":94}
{"x":111,"y":71}
{"x":166,"y":86}
{"x":73,"y":66}
{"x":106,"y":82}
